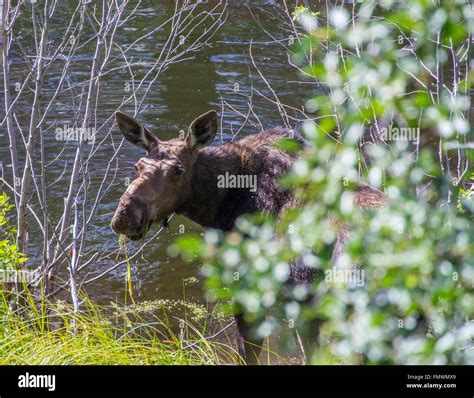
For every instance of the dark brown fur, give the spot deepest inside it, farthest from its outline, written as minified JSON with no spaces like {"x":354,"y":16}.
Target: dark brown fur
{"x":160,"y":190}
{"x":215,"y":207}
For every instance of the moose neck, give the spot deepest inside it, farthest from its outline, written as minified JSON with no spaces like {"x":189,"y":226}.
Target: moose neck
{"x":206,"y":198}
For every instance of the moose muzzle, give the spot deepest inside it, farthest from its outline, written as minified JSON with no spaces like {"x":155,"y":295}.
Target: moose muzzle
{"x":131,"y":217}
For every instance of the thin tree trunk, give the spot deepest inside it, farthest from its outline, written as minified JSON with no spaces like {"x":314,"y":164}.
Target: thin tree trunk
{"x":73,"y":186}
{"x":32,"y":134}
{"x":5,"y":43}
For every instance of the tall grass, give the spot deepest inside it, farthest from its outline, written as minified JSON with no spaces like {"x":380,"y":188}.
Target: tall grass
{"x":52,"y":334}
{"x":36,"y":331}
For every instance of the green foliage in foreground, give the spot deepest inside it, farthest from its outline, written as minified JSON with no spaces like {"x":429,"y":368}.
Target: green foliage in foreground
{"x":100,"y":336}
{"x":10,"y":255}
{"x":402,"y":293}
{"x":34,"y":331}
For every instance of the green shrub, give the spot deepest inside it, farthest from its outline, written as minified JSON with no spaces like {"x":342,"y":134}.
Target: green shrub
{"x":412,"y":301}
{"x":10,"y":256}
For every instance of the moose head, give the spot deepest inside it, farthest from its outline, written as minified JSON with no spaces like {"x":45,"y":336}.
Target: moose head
{"x":164,"y":175}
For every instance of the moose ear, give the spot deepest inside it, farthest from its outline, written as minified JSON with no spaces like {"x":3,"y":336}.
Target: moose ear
{"x":202,"y":131}
{"x":134,"y":131}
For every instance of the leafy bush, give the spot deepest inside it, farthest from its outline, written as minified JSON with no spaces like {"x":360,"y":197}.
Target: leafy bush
{"x":402,"y":291}
{"x":10,"y":256}
{"x":101,"y":335}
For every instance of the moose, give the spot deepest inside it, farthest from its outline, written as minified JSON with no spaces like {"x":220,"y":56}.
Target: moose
{"x":181,"y":176}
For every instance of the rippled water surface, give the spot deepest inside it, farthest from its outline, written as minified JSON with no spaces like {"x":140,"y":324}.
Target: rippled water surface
{"x":221,"y":76}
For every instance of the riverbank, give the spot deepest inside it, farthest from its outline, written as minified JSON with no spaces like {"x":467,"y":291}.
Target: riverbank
{"x":52,"y":334}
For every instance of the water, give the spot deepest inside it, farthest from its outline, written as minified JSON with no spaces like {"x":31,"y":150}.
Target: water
{"x":221,"y":76}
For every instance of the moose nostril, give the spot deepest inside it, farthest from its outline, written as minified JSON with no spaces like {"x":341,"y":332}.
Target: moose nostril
{"x":118,"y":223}
{"x":130,"y":219}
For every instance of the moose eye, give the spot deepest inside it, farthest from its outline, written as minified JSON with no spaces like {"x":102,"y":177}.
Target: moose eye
{"x":178,"y":171}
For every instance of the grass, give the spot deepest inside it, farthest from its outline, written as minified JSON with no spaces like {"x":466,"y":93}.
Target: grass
{"x":52,"y":334}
